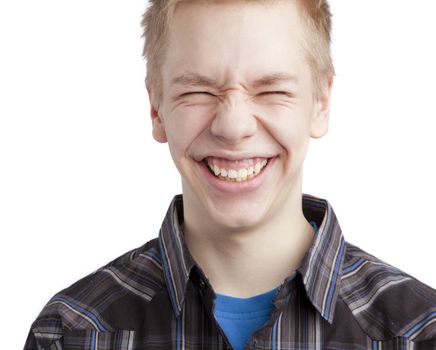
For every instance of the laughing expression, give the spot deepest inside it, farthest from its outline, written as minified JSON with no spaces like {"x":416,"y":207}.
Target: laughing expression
{"x":237,"y":109}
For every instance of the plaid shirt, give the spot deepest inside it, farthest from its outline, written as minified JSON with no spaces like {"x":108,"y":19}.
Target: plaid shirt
{"x":157,"y":297}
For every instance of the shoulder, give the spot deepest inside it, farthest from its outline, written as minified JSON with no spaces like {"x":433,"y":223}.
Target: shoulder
{"x":99,"y":300}
{"x":386,"y":301}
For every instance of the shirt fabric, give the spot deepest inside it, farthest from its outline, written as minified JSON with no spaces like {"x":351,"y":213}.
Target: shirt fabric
{"x":240,"y":317}
{"x":157,"y":297}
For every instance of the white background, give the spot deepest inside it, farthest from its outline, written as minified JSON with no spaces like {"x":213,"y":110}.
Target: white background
{"x":82,"y":181}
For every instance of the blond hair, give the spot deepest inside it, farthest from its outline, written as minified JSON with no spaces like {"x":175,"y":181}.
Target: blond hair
{"x":315,"y":14}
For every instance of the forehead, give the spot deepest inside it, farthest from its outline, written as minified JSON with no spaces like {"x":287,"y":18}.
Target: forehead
{"x":229,"y":39}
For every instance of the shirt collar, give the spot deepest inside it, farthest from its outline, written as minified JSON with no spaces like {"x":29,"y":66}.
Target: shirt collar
{"x":320,"y":269}
{"x":176,"y":259}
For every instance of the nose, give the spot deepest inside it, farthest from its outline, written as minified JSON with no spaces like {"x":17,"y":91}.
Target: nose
{"x":234,"y":120}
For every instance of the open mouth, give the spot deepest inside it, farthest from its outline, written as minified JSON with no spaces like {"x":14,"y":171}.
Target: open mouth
{"x":237,"y":171}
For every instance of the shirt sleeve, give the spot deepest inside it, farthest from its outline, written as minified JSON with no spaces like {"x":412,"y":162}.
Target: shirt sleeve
{"x":30,"y":342}
{"x":39,"y":341}
{"x":46,"y":332}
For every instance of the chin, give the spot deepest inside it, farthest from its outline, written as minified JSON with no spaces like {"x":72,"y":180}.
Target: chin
{"x":238,"y":215}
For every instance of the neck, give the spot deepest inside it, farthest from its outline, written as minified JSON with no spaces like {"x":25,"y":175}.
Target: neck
{"x":251,"y":261}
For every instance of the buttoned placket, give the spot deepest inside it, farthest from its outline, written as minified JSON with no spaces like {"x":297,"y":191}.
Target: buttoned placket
{"x":206,"y":295}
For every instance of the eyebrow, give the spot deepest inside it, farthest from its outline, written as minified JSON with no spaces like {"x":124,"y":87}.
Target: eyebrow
{"x":195,"y":79}
{"x":274,"y":78}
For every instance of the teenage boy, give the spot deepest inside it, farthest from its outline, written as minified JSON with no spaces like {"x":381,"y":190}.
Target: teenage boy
{"x":243,"y":259}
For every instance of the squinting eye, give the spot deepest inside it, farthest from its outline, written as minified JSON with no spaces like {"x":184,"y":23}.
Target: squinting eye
{"x":197,"y":92}
{"x":274,"y":92}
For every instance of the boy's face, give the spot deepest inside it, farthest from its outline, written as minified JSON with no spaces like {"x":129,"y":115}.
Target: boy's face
{"x":238,"y":115}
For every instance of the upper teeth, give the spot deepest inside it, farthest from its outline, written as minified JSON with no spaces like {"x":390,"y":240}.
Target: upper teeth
{"x":240,"y":174}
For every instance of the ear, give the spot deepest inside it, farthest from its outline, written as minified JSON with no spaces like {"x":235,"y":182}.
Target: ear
{"x":321,"y":111}
{"x":158,"y":126}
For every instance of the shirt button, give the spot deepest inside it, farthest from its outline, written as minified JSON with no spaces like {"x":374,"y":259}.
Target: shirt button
{"x":202,"y":284}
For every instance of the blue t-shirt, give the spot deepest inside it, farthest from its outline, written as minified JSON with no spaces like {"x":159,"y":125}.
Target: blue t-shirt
{"x":241,"y":317}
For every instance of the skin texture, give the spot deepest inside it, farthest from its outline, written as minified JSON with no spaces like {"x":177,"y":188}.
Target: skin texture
{"x":234,"y":43}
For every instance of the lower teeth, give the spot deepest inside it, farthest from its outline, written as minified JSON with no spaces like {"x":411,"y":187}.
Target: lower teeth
{"x":226,"y":178}
{"x":235,"y":180}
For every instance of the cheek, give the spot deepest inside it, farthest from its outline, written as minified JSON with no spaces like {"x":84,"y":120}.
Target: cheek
{"x":288,"y":128}
{"x":183,"y":129}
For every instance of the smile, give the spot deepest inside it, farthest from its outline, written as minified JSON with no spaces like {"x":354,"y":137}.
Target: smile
{"x":236,"y":170}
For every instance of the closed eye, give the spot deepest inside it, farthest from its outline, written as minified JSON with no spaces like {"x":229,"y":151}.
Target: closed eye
{"x":274,"y":92}
{"x":197,"y":92}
